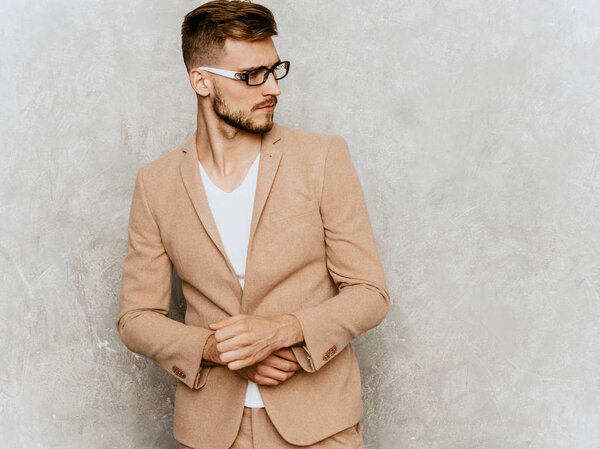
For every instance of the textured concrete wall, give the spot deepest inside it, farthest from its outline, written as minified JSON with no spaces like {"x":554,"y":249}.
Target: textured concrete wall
{"x":474,"y":126}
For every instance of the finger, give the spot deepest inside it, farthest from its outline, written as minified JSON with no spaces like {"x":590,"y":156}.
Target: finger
{"x":237,"y":364}
{"x":230,"y":330}
{"x":238,"y":355}
{"x":290,"y":360}
{"x":249,"y":373}
{"x":242,"y":358}
{"x":281,"y":364}
{"x":262,"y":380}
{"x":238,"y":341}
{"x":285,"y":353}
{"x":273,"y":373}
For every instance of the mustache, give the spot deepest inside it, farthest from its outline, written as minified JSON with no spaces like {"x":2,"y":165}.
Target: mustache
{"x":272,"y":102}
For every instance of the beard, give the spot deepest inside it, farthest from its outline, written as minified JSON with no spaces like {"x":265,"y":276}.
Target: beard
{"x":239,"y":119}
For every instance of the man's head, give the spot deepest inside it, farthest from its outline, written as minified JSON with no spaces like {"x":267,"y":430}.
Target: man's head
{"x":233,"y":36}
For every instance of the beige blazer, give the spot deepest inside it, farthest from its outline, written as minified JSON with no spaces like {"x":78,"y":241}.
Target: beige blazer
{"x":312,"y":253}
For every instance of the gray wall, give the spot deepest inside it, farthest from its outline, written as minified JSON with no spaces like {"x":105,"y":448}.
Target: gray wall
{"x":474,"y":126}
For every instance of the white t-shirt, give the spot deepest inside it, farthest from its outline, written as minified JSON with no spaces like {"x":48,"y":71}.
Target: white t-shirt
{"x":232,"y":212}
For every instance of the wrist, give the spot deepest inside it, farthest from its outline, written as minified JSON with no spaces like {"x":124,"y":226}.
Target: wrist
{"x":290,"y":330}
{"x":210,"y":353}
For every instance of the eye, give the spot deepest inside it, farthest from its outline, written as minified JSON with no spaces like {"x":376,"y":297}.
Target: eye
{"x":256,"y":76}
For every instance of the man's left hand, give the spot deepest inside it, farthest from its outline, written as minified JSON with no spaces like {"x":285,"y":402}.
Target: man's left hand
{"x":243,"y":340}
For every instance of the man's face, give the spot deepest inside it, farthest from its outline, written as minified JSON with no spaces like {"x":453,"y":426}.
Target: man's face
{"x":237,"y":104}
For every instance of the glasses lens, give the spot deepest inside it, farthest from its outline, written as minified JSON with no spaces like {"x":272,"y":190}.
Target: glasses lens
{"x":256,"y":77}
{"x":281,"y":70}
{"x":259,"y":76}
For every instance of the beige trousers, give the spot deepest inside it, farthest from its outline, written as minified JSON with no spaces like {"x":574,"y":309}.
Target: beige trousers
{"x":257,"y":432}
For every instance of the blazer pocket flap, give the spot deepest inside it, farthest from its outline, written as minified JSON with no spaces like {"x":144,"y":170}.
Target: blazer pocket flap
{"x":294,"y":210}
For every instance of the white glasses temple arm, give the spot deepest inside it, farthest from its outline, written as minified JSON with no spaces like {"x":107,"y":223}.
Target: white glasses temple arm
{"x":227,"y":73}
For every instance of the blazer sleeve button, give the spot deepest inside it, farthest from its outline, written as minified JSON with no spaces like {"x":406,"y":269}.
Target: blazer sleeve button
{"x":178,"y":371}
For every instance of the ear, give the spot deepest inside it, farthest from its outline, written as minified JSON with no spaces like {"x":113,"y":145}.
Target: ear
{"x":199,"y":83}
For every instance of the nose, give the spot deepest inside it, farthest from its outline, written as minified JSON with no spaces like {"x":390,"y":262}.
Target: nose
{"x":271,"y":86}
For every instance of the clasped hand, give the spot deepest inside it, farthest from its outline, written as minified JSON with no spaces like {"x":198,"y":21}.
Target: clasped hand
{"x":256,"y":347}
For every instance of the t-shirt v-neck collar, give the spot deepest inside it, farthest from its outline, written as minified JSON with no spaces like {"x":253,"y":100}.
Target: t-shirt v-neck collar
{"x":214,"y":187}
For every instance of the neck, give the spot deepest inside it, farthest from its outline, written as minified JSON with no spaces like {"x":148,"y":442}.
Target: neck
{"x":222,"y":148}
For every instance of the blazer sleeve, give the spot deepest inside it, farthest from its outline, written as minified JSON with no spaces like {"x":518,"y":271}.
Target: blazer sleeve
{"x":353,"y":262}
{"x":145,"y":296}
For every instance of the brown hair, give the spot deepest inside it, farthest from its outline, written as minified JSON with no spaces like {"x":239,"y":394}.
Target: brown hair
{"x":205,"y":29}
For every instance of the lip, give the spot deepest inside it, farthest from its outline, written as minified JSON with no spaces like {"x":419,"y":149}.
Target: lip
{"x":268,"y":108}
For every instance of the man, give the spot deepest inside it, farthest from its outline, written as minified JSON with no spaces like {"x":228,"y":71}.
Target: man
{"x":268,"y":229}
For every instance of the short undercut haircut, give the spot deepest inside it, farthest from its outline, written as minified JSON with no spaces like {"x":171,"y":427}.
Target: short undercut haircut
{"x":205,"y":29}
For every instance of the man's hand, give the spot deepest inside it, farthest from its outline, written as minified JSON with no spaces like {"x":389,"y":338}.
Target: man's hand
{"x":273,"y":370}
{"x":276,"y":368}
{"x":244,"y":340}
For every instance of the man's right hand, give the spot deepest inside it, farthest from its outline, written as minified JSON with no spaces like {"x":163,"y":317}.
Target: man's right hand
{"x":276,"y":368}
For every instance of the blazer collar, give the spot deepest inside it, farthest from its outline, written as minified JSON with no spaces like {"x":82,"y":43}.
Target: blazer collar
{"x":267,"y":167}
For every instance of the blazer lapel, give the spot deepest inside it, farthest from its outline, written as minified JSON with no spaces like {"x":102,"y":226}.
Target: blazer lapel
{"x":190,"y":173}
{"x":269,"y":162}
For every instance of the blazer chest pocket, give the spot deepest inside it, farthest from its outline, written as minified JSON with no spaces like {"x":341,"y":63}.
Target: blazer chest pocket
{"x":294,"y":210}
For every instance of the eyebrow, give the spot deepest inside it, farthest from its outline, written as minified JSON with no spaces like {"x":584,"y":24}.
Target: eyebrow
{"x":247,"y":69}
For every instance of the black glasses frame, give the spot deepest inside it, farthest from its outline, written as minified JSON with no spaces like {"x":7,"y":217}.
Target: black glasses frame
{"x":245,"y":76}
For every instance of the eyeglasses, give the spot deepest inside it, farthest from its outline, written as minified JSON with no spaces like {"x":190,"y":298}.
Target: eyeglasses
{"x":254,"y":77}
